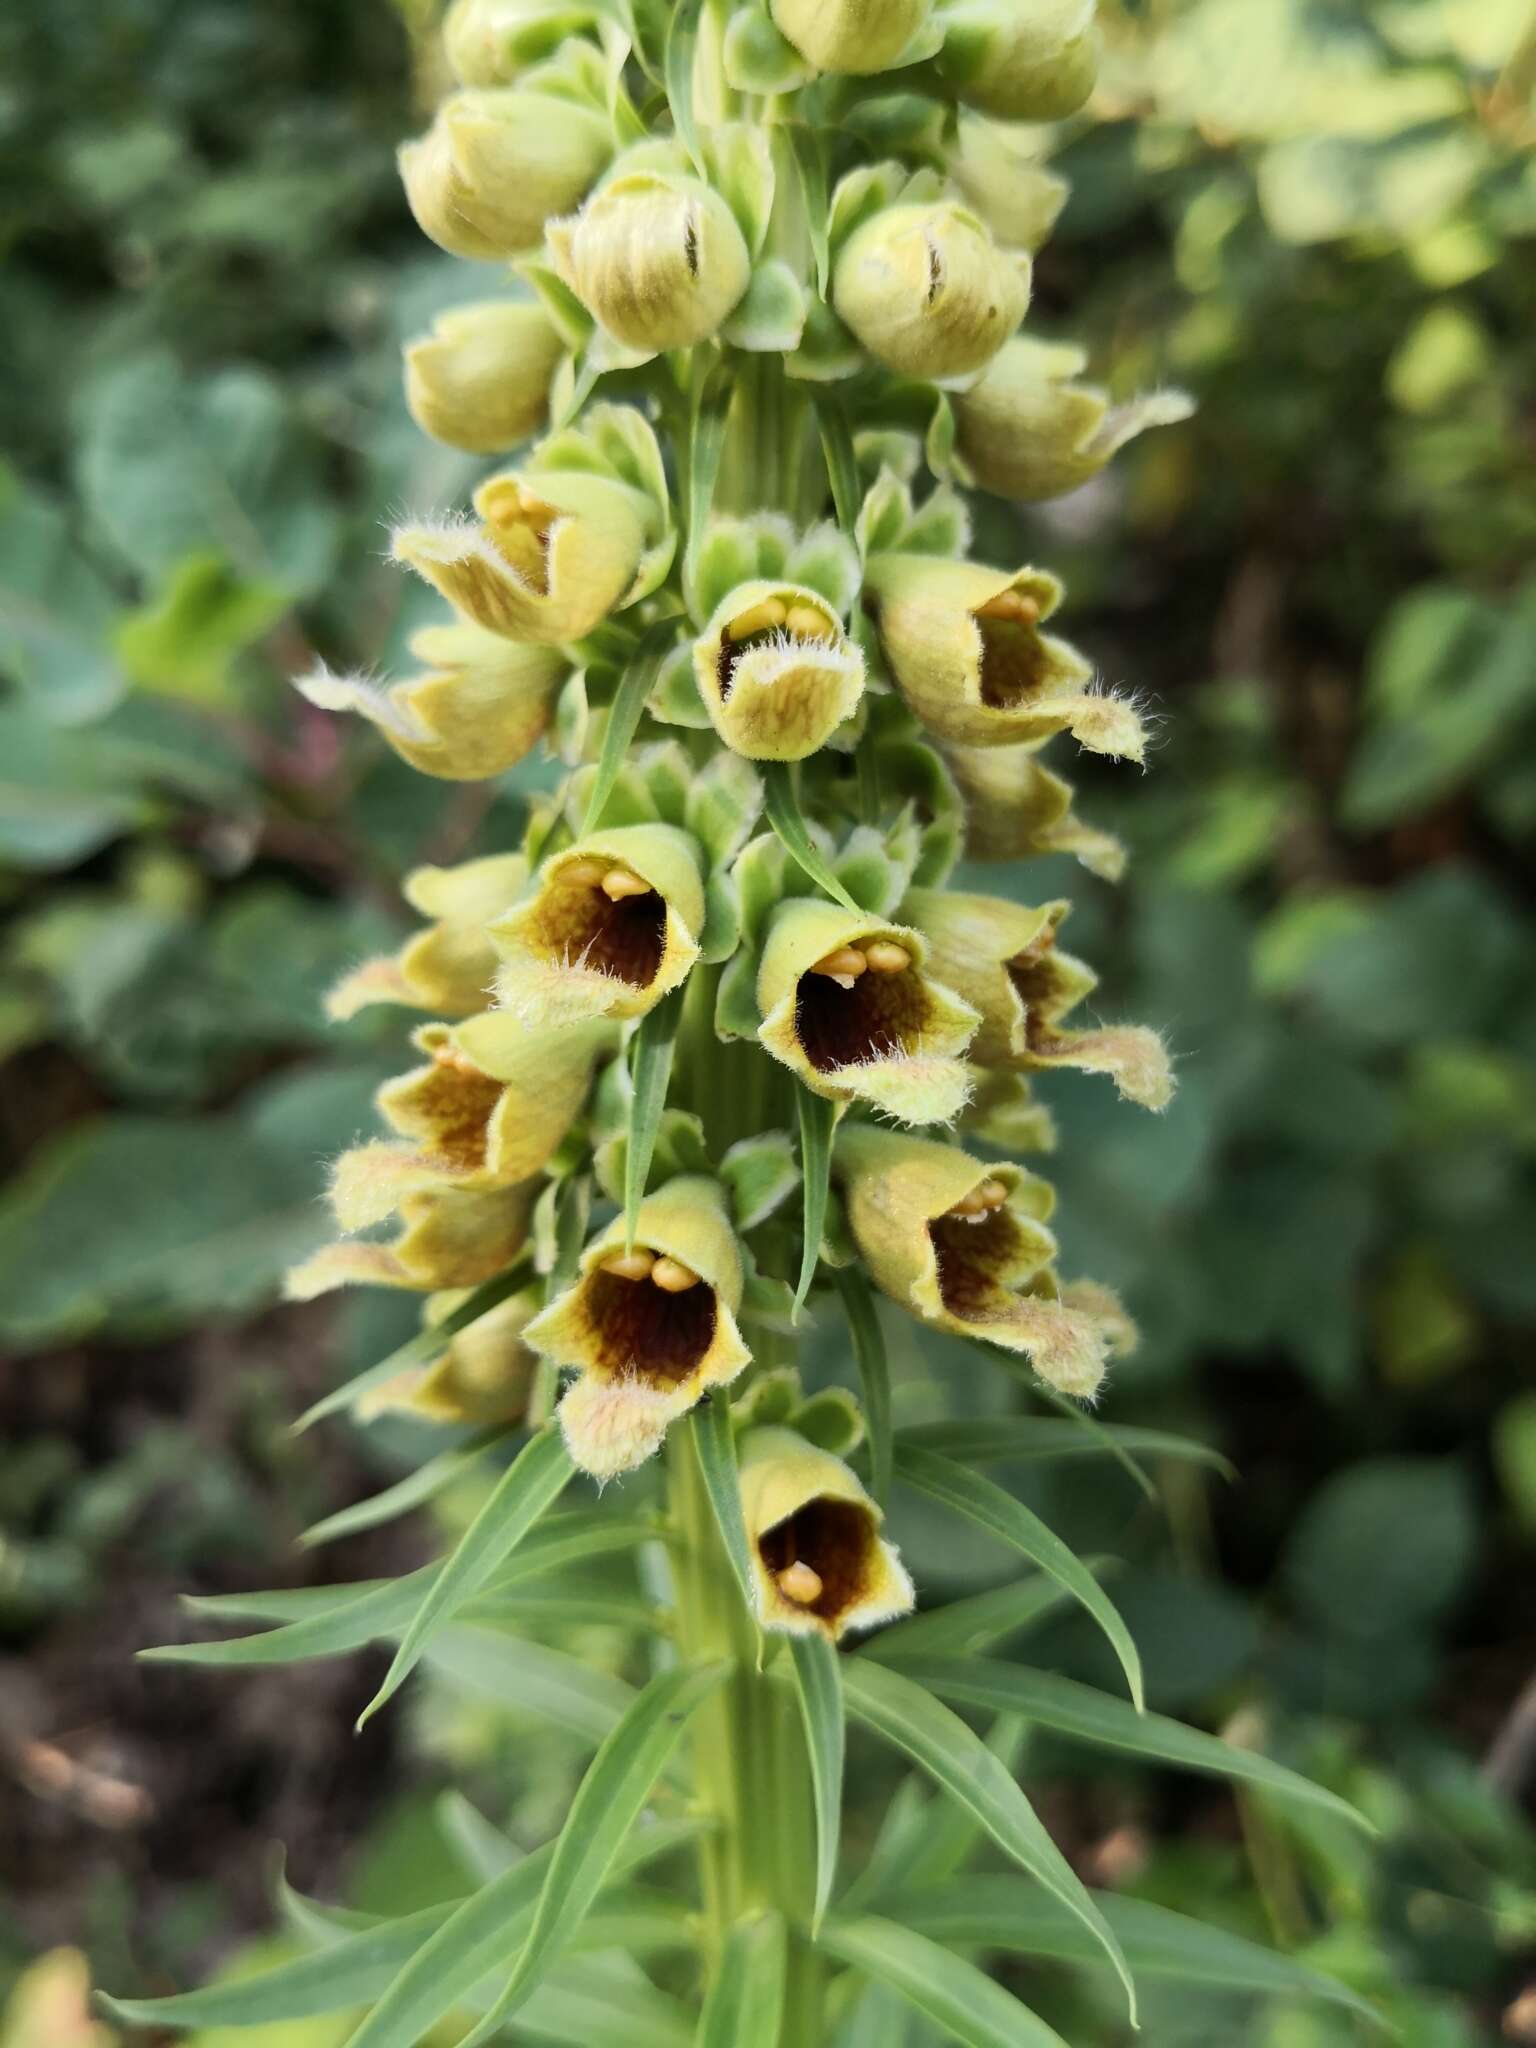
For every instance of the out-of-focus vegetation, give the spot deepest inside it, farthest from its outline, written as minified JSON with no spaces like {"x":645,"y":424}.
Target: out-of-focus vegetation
{"x":1321,"y":218}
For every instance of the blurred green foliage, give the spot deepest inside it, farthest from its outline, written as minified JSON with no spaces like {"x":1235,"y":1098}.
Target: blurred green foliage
{"x":1316,"y":214}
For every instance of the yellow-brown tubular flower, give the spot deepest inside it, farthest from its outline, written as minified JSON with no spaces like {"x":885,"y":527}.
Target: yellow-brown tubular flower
{"x":964,"y":1246}
{"x":555,"y":552}
{"x":928,"y":292}
{"x":648,"y":1331}
{"x":1016,"y":808}
{"x":777,"y":673}
{"x":656,"y":259}
{"x":488,"y":1109}
{"x":480,"y":380}
{"x":1003,"y":959}
{"x":871,"y":1027}
{"x":965,"y":646}
{"x":611,"y":926}
{"x":484,"y":1373}
{"x":855,"y":36}
{"x":819,"y":1563}
{"x":494,"y":166}
{"x":479,"y":706}
{"x":449,"y":967}
{"x":449,"y":1239}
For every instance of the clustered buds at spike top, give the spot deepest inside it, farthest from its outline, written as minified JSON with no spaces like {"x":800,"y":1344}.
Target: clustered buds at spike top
{"x":495,"y":166}
{"x":855,"y":36}
{"x":479,"y":705}
{"x":1027,"y":430}
{"x":484,"y":1374}
{"x":492,"y":42}
{"x":448,"y":1238}
{"x":448,"y":967}
{"x":847,"y":1005}
{"x":964,"y":1246}
{"x":1003,"y":959}
{"x":555,"y":552}
{"x":928,"y":292}
{"x":965,"y":646}
{"x":1024,"y":60}
{"x":777,"y":673}
{"x":649,"y":1328}
{"x":819,"y":1563}
{"x":655,"y":257}
{"x":480,"y":380}
{"x":1015,"y":807}
{"x":610,"y":926}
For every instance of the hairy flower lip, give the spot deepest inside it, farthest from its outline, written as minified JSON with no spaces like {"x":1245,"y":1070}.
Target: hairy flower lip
{"x":819,"y":1563}
{"x":449,"y":967}
{"x":449,"y":1237}
{"x":776,"y":670}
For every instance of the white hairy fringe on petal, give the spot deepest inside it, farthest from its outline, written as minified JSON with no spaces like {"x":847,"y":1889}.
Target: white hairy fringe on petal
{"x":554,"y":992}
{"x":374,"y":700}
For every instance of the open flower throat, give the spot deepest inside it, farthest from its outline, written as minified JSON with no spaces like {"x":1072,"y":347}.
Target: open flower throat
{"x":598,"y":915}
{"x":820,"y":1557}
{"x":864,"y":1001}
{"x":1015,"y":666}
{"x":974,"y":1255}
{"x":643,"y":1329}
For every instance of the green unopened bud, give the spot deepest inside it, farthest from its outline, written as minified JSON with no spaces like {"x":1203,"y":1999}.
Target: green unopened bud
{"x":965,"y":646}
{"x":847,"y":1005}
{"x":495,"y":166}
{"x":448,"y":968}
{"x":479,"y":706}
{"x":480,"y":380}
{"x":1015,"y":809}
{"x":1027,"y":430}
{"x":819,"y":1563}
{"x":928,"y":292}
{"x":492,"y":42}
{"x":611,"y":926}
{"x":857,"y":36}
{"x":484,"y":1374}
{"x":1000,"y":177}
{"x":777,"y":673}
{"x":1025,"y":60}
{"x":557,"y":551}
{"x":649,"y":1327}
{"x":965,"y":1246}
{"x":656,"y":259}
{"x":449,"y":1238}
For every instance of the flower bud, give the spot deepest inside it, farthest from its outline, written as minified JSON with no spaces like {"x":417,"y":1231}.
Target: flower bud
{"x":777,"y":673}
{"x":847,"y":1005}
{"x":495,"y":166}
{"x":557,"y":551}
{"x":449,"y":1238}
{"x":1027,"y":431}
{"x":480,"y":380}
{"x":1015,"y":808}
{"x":964,"y":645}
{"x":927,"y":291}
{"x":488,"y":1109}
{"x":448,"y":968}
{"x":492,"y":42}
{"x":656,"y":259}
{"x":649,"y":1329}
{"x":479,"y":705}
{"x":1001,"y":179}
{"x":1003,"y":959}
{"x":856,"y":36}
{"x":484,"y":1374}
{"x":1025,"y":60}
{"x":964,"y":1246}
{"x":819,"y":1563}
{"x":611,"y":926}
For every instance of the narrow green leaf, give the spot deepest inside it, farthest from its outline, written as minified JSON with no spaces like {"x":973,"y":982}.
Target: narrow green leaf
{"x":592,"y":2002}
{"x":818,"y":1120}
{"x":951,"y":1836}
{"x":1002,"y":1912}
{"x":421,"y":1349}
{"x":818,"y":1680}
{"x":811,"y":163}
{"x":529,"y":1485}
{"x":782,"y":808}
{"x":714,"y":1446}
{"x":381,"y":1612}
{"x":966,"y":1626}
{"x":964,"y":1768}
{"x":944,"y":1987}
{"x":837,"y":447}
{"x":1020,"y":1439}
{"x":606,"y":1804}
{"x":1068,"y":1708}
{"x":413,"y":1491}
{"x":651,"y":1057}
{"x":874,"y":1375}
{"x":1090,"y":1426}
{"x":682,"y":42}
{"x":484,"y":1850}
{"x":635,"y":685}
{"x":706,"y":439}
{"x":515,"y":1671}
{"x":745,"y":2006}
{"x":991,"y":1508}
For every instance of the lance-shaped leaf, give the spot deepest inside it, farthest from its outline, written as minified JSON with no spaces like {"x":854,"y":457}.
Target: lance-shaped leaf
{"x":874,"y":1375}
{"x":817,"y":1118}
{"x":652,"y":1068}
{"x":745,"y":2004}
{"x":714,"y":1445}
{"x":819,"y":1684}
{"x":936,"y":1982}
{"x":1023,"y":1439}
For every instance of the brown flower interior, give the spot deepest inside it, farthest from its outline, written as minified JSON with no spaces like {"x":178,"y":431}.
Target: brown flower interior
{"x":729,"y":657}
{"x":449,"y":1107}
{"x":1013,"y":662}
{"x":836,"y":1539}
{"x":642,"y":1330}
{"x":579,"y":924}
{"x":880,"y":1016}
{"x":1037,"y":978}
{"x":973,"y":1260}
